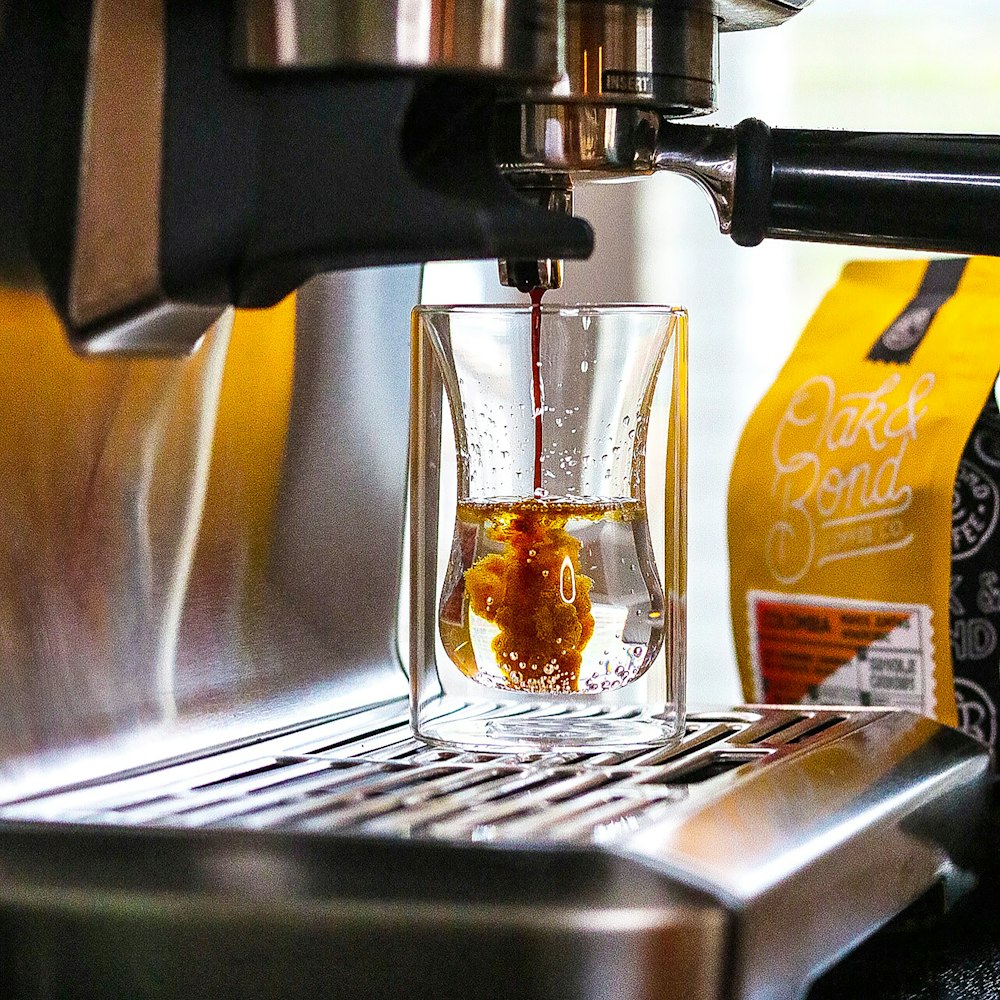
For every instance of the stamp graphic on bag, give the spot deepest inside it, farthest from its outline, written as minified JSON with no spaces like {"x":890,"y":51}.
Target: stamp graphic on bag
{"x":977,"y":715}
{"x":975,"y":506}
{"x":811,"y":649}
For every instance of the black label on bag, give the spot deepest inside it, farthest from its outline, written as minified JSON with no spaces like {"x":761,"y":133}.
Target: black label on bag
{"x":974,"y":607}
{"x":898,"y":342}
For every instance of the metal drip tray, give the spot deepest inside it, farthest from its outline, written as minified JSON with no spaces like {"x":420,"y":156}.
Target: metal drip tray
{"x":389,"y":867}
{"x":375,"y":778}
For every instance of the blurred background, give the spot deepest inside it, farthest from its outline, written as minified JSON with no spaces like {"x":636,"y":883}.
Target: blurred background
{"x":894,"y":65}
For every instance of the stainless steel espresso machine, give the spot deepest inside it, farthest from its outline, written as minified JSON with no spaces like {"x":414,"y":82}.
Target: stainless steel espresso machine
{"x":208,"y":786}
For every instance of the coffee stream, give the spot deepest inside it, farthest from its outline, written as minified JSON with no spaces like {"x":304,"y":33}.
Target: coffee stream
{"x":536,"y":379}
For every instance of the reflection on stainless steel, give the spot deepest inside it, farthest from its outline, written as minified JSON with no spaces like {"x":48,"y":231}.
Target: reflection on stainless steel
{"x":181,"y":544}
{"x":657,"y":55}
{"x":123,"y":637}
{"x":518,"y":38}
{"x":740,"y":15}
{"x":103,"y":481}
{"x":850,"y":833}
{"x":200,"y":916}
{"x":596,"y":142}
{"x":684,"y":867}
{"x":707,"y":155}
{"x":336,"y":555}
{"x":162,"y":329}
{"x":587,"y":140}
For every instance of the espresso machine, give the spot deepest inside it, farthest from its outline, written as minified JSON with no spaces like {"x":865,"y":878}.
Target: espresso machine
{"x":208,"y":786}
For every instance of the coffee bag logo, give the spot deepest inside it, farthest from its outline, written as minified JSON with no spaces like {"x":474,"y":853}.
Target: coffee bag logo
{"x":908,"y":329}
{"x":955,"y":605}
{"x":974,"y":509}
{"x":840,"y":478}
{"x":988,"y":598}
{"x":972,"y":639}
{"x":977,"y":715}
{"x":986,"y":440}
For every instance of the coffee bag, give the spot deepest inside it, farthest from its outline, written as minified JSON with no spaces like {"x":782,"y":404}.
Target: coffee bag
{"x":863,"y":501}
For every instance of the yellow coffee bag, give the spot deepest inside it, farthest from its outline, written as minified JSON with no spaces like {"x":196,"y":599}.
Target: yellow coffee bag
{"x":844,"y":487}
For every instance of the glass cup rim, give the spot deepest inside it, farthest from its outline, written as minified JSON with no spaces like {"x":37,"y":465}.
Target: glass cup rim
{"x":554,"y":309}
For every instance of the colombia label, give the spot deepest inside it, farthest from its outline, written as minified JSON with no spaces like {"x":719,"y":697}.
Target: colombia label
{"x":811,"y":649}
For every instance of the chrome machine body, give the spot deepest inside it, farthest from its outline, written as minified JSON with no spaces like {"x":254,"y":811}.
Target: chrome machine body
{"x":204,"y":763}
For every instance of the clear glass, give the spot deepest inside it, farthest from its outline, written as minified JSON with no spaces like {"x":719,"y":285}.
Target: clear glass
{"x":555,"y":617}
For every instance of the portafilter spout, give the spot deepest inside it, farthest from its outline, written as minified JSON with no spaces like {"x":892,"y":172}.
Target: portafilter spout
{"x":551,"y":190}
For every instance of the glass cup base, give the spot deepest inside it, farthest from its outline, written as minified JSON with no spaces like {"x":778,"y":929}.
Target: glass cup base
{"x":580,"y":731}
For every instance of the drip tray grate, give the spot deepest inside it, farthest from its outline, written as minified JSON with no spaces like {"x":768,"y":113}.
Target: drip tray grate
{"x":366,"y":774}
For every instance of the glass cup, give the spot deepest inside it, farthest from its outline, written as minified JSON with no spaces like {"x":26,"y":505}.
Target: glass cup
{"x":553,"y":617}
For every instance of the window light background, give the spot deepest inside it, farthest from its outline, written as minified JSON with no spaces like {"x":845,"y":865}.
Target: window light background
{"x":889,"y":65}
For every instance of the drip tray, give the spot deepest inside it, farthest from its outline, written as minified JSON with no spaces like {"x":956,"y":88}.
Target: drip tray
{"x":386,"y":867}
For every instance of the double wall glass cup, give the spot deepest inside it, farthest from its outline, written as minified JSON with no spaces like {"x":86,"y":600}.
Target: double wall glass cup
{"x":548,"y":527}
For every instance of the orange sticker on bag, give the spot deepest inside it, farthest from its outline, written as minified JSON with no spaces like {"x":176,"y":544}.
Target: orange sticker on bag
{"x":811,"y":649}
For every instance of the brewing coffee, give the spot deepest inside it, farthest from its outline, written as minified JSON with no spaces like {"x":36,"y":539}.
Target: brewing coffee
{"x":559,"y":595}
{"x":554,"y":591}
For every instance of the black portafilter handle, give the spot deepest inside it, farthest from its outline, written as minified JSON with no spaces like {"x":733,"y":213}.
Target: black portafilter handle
{"x":892,"y":189}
